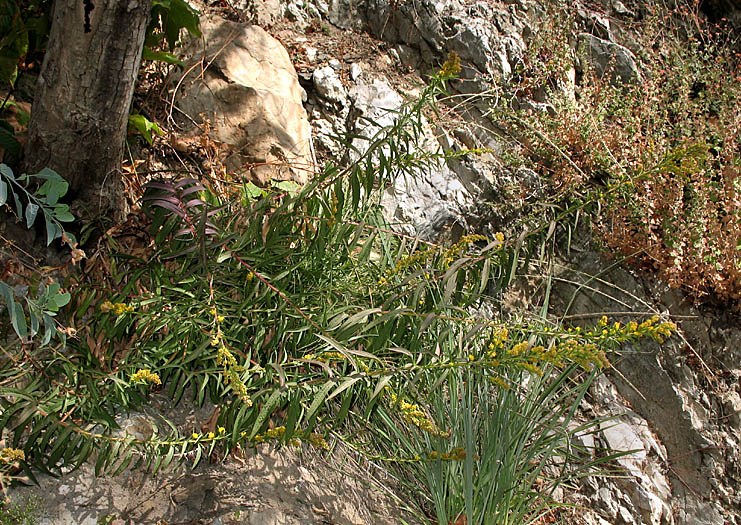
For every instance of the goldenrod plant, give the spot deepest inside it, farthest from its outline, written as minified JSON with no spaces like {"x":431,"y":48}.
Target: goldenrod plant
{"x":304,"y":317}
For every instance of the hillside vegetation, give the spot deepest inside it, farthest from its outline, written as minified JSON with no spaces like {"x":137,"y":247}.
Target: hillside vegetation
{"x":301,"y":316}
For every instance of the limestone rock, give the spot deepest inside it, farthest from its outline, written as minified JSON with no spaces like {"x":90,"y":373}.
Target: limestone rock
{"x":489,"y":40}
{"x":610,"y":59}
{"x":269,"y":487}
{"x":328,"y":84}
{"x":261,"y":12}
{"x":249,"y":91}
{"x":442,"y":198}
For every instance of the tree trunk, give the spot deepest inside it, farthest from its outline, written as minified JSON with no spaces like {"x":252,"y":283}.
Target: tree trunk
{"x":83,"y":96}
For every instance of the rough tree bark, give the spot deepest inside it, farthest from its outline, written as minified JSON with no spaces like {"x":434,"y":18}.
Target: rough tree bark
{"x":83,"y":96}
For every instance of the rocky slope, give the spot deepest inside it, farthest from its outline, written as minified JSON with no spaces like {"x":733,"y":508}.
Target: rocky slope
{"x":276,"y":96}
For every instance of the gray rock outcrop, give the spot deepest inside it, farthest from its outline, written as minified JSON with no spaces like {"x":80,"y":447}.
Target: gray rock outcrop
{"x":608,"y":58}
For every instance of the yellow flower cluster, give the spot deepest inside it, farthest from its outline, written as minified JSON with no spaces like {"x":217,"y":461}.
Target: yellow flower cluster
{"x":277,"y":433}
{"x":583,"y":353}
{"x":412,"y":414}
{"x":518,"y":349}
{"x":10,"y":455}
{"x":496,"y":341}
{"x":415,"y":259}
{"x":209,"y":436}
{"x":651,"y":327}
{"x":421,"y":257}
{"x":325,"y":357}
{"x":318,"y":441}
{"x":456,"y":454}
{"x":116,"y":308}
{"x":451,"y":67}
{"x":146,"y":376}
{"x":501,"y":383}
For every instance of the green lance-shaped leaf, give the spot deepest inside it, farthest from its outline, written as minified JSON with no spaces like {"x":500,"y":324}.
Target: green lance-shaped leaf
{"x":268,"y":408}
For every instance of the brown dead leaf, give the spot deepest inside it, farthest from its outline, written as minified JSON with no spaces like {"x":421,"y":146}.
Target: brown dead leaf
{"x":462,"y":520}
{"x":210,"y":424}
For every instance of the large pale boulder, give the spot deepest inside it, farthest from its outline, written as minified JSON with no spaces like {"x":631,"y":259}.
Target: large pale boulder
{"x":246,"y":86}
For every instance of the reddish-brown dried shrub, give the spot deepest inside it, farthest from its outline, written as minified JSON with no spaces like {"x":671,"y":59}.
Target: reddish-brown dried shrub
{"x":664,"y":154}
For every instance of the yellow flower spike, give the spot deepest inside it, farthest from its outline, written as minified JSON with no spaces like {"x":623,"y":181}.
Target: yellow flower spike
{"x":211,"y":435}
{"x":499,"y":236}
{"x":220,"y":318}
{"x":603,"y":321}
{"x":222,"y":430}
{"x":194,"y":435}
{"x":471,"y":357}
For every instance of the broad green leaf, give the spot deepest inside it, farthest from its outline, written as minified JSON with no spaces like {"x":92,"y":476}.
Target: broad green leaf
{"x":19,"y":321}
{"x":3,"y":192}
{"x":145,"y":127}
{"x":251,"y":191}
{"x":52,"y":231}
{"x":161,"y":56}
{"x":62,"y":214}
{"x":31,"y":211}
{"x":49,"y":174}
{"x":6,"y":292}
{"x":288,"y":186}
{"x":6,"y":171}
{"x":60,"y":300}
